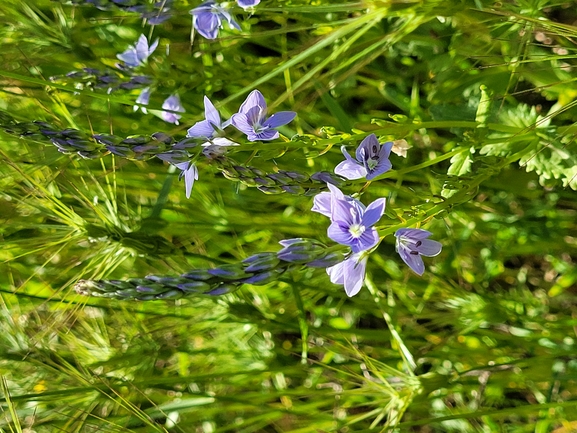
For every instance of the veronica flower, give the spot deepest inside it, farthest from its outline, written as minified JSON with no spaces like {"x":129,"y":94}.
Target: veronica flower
{"x":137,"y":54}
{"x":173,"y":104}
{"x":412,"y":244}
{"x":353,"y":223}
{"x":143,"y":99}
{"x":350,"y":273}
{"x":372,"y":160}
{"x":251,"y":118}
{"x":208,"y":17}
{"x":188,"y":169}
{"x":247,"y":3}
{"x":211,"y":126}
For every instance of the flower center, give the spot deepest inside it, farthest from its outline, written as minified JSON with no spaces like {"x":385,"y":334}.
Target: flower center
{"x":356,"y":230}
{"x":373,"y":162}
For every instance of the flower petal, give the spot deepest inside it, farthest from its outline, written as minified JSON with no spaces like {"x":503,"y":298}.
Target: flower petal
{"x":201,"y":129}
{"x":366,"y":148}
{"x":211,"y":113}
{"x":322,"y":204}
{"x":279,"y":119}
{"x":207,"y":24}
{"x":345,"y":212}
{"x":240,"y":122}
{"x":414,"y":261}
{"x":190,"y":176}
{"x":336,"y":273}
{"x":247,"y":3}
{"x":429,"y":248}
{"x":350,"y":170}
{"x":339,"y":233}
{"x":254,"y":99}
{"x":268,"y":134}
{"x":414,"y":234}
{"x":374,"y":212}
{"x":354,"y":274}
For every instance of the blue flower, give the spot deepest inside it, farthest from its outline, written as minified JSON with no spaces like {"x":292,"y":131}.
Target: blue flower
{"x":352,"y":222}
{"x":211,"y":126}
{"x":251,"y":118}
{"x":143,"y":99}
{"x":137,"y":54}
{"x":247,"y":3}
{"x":188,"y":169}
{"x":172,"y":103}
{"x":372,"y":160}
{"x":350,"y":273}
{"x":208,"y":17}
{"x":412,"y":244}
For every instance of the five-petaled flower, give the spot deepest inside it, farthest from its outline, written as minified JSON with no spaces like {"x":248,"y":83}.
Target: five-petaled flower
{"x":412,"y":244}
{"x":352,"y":222}
{"x":372,"y":160}
{"x":137,"y":54}
{"x":252,"y":120}
{"x":350,"y":273}
{"x":172,"y":103}
{"x":208,"y":17}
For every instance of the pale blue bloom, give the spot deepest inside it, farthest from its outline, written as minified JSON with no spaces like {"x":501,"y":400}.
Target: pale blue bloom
{"x":350,"y":273}
{"x":252,"y":120}
{"x":372,"y":160}
{"x":137,"y":54}
{"x":143,"y":99}
{"x":247,"y":3}
{"x":211,"y":126}
{"x":352,"y":222}
{"x":412,"y":244}
{"x":208,"y":17}
{"x":173,"y":104}
{"x":188,"y":170}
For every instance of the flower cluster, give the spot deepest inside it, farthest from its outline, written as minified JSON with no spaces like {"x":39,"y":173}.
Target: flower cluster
{"x":251,"y":119}
{"x":352,"y":223}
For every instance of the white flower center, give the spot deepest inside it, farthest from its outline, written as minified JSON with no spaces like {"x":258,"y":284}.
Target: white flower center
{"x":372,"y":163}
{"x":356,"y":230}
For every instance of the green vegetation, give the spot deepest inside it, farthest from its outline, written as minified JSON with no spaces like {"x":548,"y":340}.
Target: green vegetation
{"x":485,"y":341}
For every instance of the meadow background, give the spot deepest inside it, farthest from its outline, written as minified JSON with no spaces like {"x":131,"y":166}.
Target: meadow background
{"x":484,"y":92}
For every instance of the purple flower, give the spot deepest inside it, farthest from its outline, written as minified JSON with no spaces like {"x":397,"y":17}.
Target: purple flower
{"x":251,"y":118}
{"x":372,"y":160}
{"x":351,"y":221}
{"x":172,"y":103}
{"x":211,"y":126}
{"x":137,"y":54}
{"x":190,"y":174}
{"x":247,"y":3}
{"x":208,"y":17}
{"x":412,"y":244}
{"x":143,"y":99}
{"x":350,"y":273}
{"x":188,"y":169}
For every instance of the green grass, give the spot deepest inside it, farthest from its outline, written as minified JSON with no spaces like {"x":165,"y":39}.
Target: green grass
{"x":484,"y":342}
